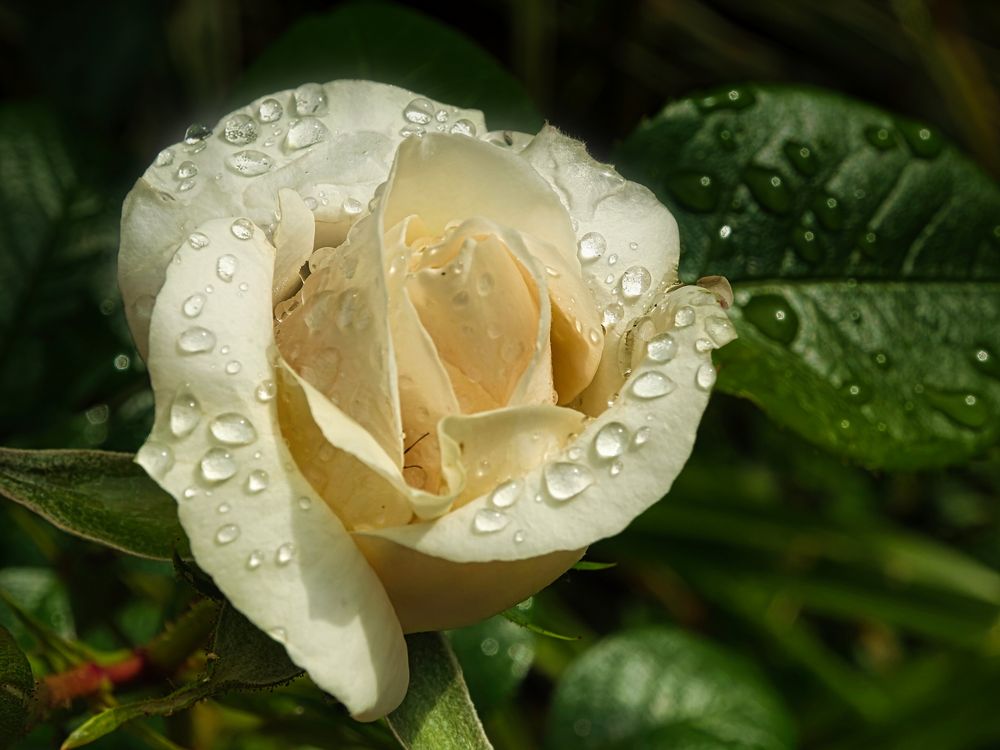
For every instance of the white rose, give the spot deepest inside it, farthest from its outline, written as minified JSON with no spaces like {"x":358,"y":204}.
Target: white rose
{"x":488,"y":365}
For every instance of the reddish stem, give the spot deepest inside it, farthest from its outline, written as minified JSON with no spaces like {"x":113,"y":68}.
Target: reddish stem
{"x":91,"y":678}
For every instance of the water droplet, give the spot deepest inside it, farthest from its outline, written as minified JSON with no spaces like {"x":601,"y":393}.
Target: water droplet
{"x":419,"y":112}
{"x":233,"y":429}
{"x":635,"y":282}
{"x":196,"y":340}
{"x":304,"y":503}
{"x":720,"y":330}
{"x":565,"y":480}
{"x":193,"y":305}
{"x":801,"y":157}
{"x":227,"y":534}
{"x":856,"y":392}
{"x":684,"y":317}
{"x":197,"y":240}
{"x":195,"y":134}
{"x":305,"y":132}
{"x":591,"y":247}
{"x":704,"y":345}
{"x":611,"y":440}
{"x":484,"y":284}
{"x":249,"y":163}
{"x":186,"y":170}
{"x":880,"y":137}
{"x":223,"y":508}
{"x":519,"y":537}
{"x":773,"y":316}
{"x":595,"y":336}
{"x":616,"y":467}
{"x":922,"y":140}
{"x":661,"y":348}
{"x":967,"y":409}
{"x":506,"y":494}
{"x":185,"y":414}
{"x":641,"y":437}
{"x":612,"y":314}
{"x":190,"y":492}
{"x":217,"y":465}
{"x":489,"y":521}
{"x":226,"y":267}
{"x":157,"y":457}
{"x":734,"y":98}
{"x":705,"y":377}
{"x":828,"y":211}
{"x":807,"y":244}
{"x":233,"y":367}
{"x":986,"y":362}
{"x":265,"y":391}
{"x":352,"y":206}
{"x":254,"y":560}
{"x":244,"y":286}
{"x":278,"y":634}
{"x":652,"y":384}
{"x":242,"y":229}
{"x":769,"y":188}
{"x":285,"y":554}
{"x":696,"y":192}
{"x":165,"y":158}
{"x":257,"y":481}
{"x":463,"y":127}
{"x":240,"y":130}
{"x":270,"y":110}
{"x":612,"y":259}
{"x":310,"y":99}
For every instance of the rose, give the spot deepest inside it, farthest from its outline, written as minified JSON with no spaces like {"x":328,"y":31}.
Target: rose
{"x":405,"y":369}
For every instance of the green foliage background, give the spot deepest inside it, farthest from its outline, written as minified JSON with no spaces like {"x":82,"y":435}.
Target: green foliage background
{"x":806,"y":583}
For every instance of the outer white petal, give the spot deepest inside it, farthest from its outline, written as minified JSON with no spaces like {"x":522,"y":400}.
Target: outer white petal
{"x":274,"y":548}
{"x":293,"y":243}
{"x":658,"y":412}
{"x":334,"y":153}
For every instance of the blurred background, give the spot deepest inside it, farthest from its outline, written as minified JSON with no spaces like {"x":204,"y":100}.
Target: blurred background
{"x":868,"y":602}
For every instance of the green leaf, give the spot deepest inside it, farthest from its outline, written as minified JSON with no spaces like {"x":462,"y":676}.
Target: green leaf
{"x":244,"y":658}
{"x":17,"y":686}
{"x":100,"y":496}
{"x":658,"y":687}
{"x":594,"y":565}
{"x":865,"y":254}
{"x":495,"y":655}
{"x":522,"y":615}
{"x":391,"y":44}
{"x":437,"y":713}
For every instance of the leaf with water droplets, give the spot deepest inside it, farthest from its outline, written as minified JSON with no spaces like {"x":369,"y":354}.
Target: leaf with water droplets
{"x":17,"y":687}
{"x":103,"y":497}
{"x":865,"y":254}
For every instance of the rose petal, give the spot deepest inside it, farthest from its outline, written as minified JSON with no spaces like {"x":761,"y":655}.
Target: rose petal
{"x":595,"y":488}
{"x":359,"y":131}
{"x":293,"y":243}
{"x":255,"y":524}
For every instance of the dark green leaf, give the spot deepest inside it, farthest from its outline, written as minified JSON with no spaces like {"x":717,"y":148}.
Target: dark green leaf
{"x":865,"y":255}
{"x":495,"y":655}
{"x":437,"y":713}
{"x":96,"y":495}
{"x":658,"y":687}
{"x":17,"y":686}
{"x":244,"y":659}
{"x":391,"y":44}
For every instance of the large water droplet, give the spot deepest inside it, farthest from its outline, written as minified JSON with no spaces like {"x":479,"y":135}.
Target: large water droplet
{"x":233,"y":366}
{"x":419,"y":112}
{"x":185,"y":413}
{"x":635,"y":282}
{"x":186,"y":170}
{"x":198,"y":240}
{"x":249,"y":163}
{"x":270,"y":110}
{"x":195,"y":134}
{"x":157,"y":457}
{"x":217,"y":465}
{"x":652,"y":384}
{"x":591,"y":247}
{"x":265,"y":391}
{"x":696,"y":192}
{"x":705,"y":377}
{"x":773,"y":316}
{"x":489,"y":521}
{"x":165,"y":158}
{"x":285,"y":554}
{"x":611,"y":440}
{"x":769,"y":188}
{"x":242,"y":229}
{"x":305,"y":132}
{"x":196,"y":340}
{"x":193,"y":305}
{"x":463,"y":127}
{"x":565,"y":480}
{"x":684,"y":317}
{"x":233,"y":429}
{"x":226,"y":267}
{"x":661,"y":348}
{"x":257,"y":481}
{"x":240,"y":130}
{"x":506,"y":494}
{"x":612,"y":314}
{"x":227,"y":534}
{"x":310,"y":99}
{"x":254,"y":560}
